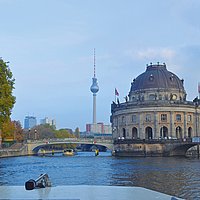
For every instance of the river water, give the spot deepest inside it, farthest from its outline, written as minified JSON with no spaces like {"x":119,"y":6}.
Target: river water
{"x":174,"y":176}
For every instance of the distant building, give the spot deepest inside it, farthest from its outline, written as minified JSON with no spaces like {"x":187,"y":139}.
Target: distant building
{"x":46,"y":120}
{"x":98,"y":128}
{"x":29,"y":122}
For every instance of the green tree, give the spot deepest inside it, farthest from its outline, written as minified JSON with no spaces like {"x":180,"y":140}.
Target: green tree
{"x":63,"y":133}
{"x":7,"y":100}
{"x":42,"y":131}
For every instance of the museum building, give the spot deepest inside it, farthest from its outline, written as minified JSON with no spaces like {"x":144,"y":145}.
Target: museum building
{"x":155,"y":108}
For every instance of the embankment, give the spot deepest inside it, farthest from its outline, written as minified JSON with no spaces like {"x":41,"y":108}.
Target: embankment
{"x":15,"y":150}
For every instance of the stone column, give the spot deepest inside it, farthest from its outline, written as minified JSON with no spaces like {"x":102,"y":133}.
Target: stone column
{"x":172,"y":129}
{"x":139,"y":127}
{"x":196,"y":123}
{"x":155,"y":125}
{"x":185,"y":125}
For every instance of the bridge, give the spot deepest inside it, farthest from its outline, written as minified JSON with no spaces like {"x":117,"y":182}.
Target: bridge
{"x":34,"y":146}
{"x":125,"y":147}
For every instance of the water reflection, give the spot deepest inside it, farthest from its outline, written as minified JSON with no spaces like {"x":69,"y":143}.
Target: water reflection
{"x":175,"y":176}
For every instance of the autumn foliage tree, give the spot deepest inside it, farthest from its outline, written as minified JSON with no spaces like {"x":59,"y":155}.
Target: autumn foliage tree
{"x":7,"y":100}
{"x":8,"y":130}
{"x":18,"y":132}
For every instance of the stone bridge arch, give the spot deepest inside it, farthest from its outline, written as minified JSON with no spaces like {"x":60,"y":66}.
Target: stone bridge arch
{"x":33,"y":148}
{"x":181,"y":149}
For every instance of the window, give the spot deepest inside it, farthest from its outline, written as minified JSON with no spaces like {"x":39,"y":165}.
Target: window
{"x":148,"y":117}
{"x":133,"y":98}
{"x":164,"y":117}
{"x":151,"y":77}
{"x":123,"y":119}
{"x":152,"y":97}
{"x":189,"y":118}
{"x":178,"y":117}
{"x":134,"y":118}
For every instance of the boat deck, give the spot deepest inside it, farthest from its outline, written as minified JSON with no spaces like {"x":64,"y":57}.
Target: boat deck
{"x":82,"y":192}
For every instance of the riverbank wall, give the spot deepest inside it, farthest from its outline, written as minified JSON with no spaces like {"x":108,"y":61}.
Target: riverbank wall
{"x":17,"y":150}
{"x":151,"y":148}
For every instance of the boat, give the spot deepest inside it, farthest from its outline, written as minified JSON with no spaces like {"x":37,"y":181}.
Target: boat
{"x":68,"y":152}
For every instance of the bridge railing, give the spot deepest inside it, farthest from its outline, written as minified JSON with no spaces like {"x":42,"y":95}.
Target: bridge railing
{"x":152,"y":141}
{"x":71,"y":140}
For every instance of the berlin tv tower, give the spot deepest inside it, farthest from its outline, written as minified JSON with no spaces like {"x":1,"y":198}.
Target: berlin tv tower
{"x":94,"y":89}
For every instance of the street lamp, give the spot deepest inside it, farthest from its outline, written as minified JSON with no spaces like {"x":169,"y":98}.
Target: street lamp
{"x":29,"y":133}
{"x":35,"y":131}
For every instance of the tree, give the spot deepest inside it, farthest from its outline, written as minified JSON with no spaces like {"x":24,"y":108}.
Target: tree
{"x":12,"y":130}
{"x":7,"y":100}
{"x":18,"y":134}
{"x":77,"y":132}
{"x":8,"y":129}
{"x":63,"y":133}
{"x":42,"y":131}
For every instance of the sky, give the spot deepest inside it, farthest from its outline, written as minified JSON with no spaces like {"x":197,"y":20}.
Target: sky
{"x":49,"y":45}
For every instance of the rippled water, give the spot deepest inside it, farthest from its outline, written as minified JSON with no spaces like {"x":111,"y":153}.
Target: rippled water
{"x":175,"y":176}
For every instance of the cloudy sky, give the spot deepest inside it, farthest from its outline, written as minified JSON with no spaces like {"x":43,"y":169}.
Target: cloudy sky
{"x":50,"y":43}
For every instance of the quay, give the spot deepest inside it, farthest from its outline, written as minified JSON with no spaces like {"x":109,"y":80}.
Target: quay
{"x":154,"y":147}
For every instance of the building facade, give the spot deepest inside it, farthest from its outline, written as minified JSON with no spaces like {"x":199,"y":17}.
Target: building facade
{"x":30,"y":122}
{"x":51,"y":122}
{"x":99,"y":128}
{"x":156,"y":108}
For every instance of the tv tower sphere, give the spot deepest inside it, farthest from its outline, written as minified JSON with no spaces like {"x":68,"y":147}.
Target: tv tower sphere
{"x":94,"y":87}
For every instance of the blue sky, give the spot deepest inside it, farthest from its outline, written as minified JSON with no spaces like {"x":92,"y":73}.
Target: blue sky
{"x":50,"y":43}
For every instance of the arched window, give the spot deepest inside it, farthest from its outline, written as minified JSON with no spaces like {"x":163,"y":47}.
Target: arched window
{"x":189,"y":132}
{"x":179,"y":132}
{"x":164,"y":132}
{"x":148,"y":133}
{"x":134,"y":133}
{"x":124,"y":132}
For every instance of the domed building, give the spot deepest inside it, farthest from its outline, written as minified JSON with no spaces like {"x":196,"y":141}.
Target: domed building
{"x":155,"y":108}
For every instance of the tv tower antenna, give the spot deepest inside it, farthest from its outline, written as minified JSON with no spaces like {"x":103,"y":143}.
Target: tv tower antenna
{"x":94,"y":65}
{"x":94,"y":89}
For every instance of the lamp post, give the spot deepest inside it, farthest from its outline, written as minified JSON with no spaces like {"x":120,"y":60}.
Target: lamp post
{"x":29,"y":133}
{"x":35,"y":131}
